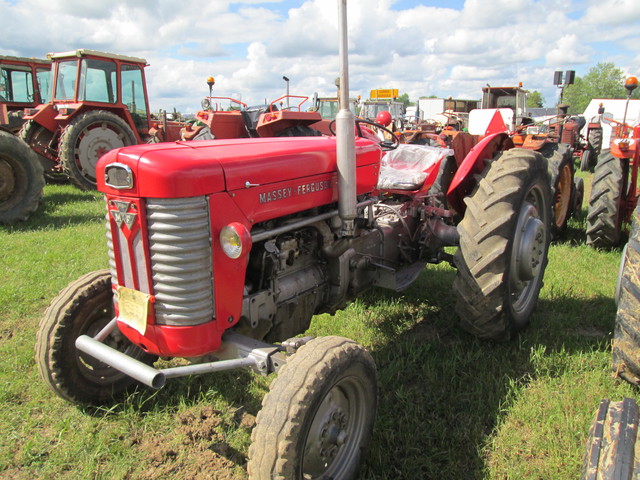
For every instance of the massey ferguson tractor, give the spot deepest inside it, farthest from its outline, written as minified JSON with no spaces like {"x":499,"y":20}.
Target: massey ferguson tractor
{"x":614,"y":191}
{"x":99,"y":103}
{"x":222,"y":252}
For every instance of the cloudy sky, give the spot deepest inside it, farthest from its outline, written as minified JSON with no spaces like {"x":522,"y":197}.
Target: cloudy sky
{"x":421,"y":47}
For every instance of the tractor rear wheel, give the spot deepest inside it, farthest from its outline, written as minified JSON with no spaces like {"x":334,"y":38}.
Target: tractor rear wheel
{"x":561,"y":173}
{"x":318,"y":416}
{"x":504,"y":239}
{"x":611,"y":451}
{"x":609,"y":187}
{"x":594,"y":137}
{"x":21,"y":179}
{"x":626,"y":336}
{"x":84,"y":307}
{"x":86,"y":139}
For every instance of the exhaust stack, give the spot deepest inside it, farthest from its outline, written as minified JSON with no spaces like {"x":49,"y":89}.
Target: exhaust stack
{"x":345,"y":135}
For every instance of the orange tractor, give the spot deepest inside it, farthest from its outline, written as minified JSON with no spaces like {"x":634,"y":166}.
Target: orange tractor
{"x":276,"y":119}
{"x":614,"y":191}
{"x":99,"y":103}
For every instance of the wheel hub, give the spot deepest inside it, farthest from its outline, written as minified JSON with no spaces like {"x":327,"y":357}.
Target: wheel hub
{"x":562,"y":198}
{"x":94,"y":143}
{"x":528,"y":249}
{"x":7,"y":180}
{"x":328,"y":433}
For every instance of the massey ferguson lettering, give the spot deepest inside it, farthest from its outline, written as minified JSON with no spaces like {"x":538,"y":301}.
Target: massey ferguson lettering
{"x":302,"y":189}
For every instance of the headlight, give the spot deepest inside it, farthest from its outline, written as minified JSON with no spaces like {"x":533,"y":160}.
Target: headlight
{"x":235,"y":240}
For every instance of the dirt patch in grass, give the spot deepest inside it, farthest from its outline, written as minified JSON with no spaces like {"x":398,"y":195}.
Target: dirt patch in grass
{"x":199,"y":450}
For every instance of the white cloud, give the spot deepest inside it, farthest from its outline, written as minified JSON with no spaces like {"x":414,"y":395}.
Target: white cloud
{"x":248,"y":45}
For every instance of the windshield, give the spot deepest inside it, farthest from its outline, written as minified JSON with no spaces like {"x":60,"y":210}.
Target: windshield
{"x":16,"y":85}
{"x":66,"y":80}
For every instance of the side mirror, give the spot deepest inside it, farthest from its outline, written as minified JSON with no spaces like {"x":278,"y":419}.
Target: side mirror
{"x":607,"y":118}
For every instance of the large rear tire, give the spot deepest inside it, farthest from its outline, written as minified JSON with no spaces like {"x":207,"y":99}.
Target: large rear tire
{"x":86,"y":139}
{"x":84,"y":307}
{"x":611,"y":447}
{"x":504,"y":239}
{"x":21,"y":179}
{"x":626,"y":336}
{"x":318,"y":416}
{"x":605,"y":216}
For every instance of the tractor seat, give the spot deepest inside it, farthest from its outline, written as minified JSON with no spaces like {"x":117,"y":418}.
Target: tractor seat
{"x":405,"y":168}
{"x":251,"y":117}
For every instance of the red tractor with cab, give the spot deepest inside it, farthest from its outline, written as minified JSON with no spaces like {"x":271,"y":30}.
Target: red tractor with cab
{"x":24,"y":83}
{"x":614,"y":191}
{"x":99,"y":103}
{"x":223,"y":251}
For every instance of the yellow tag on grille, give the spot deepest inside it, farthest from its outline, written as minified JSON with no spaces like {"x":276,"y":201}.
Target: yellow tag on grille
{"x":133,"y":308}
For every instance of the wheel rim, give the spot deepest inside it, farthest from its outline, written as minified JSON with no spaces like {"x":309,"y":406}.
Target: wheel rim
{"x":333,"y":441}
{"x":528,"y":253}
{"x":94,"y":141}
{"x":562,"y":199}
{"x":7,"y":180}
{"x":93,"y":370}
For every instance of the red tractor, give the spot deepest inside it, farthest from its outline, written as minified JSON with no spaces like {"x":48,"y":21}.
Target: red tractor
{"x":226,"y":249}
{"x":99,"y":103}
{"x":614,"y":191}
{"x":237,"y":120}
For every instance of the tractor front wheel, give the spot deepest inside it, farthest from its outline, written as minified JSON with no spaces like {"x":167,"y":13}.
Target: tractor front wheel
{"x":561,"y":173}
{"x":318,"y":416}
{"x":504,"y":239}
{"x":605,"y":217}
{"x":84,"y":307}
{"x":86,"y":139}
{"x":39,"y":138}
{"x":21,"y":179}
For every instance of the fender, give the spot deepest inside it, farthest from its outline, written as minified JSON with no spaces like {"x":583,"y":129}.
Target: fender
{"x":464,"y":180}
{"x":45,"y":116}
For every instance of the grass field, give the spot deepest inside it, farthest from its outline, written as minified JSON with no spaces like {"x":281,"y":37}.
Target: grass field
{"x":451,"y":407}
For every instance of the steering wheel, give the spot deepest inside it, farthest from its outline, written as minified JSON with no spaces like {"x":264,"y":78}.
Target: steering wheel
{"x":385,"y":144}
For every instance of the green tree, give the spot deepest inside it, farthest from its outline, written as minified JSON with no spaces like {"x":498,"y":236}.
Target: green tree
{"x":404,"y":98}
{"x":604,"y":80}
{"x":535,"y":100}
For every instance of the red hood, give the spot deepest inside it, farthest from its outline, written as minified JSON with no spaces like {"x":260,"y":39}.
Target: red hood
{"x":184,"y":169}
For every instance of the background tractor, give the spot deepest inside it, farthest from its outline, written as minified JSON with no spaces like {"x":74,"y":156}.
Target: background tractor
{"x":99,"y":103}
{"x":24,"y":83}
{"x":614,"y":191}
{"x":226,"y":117}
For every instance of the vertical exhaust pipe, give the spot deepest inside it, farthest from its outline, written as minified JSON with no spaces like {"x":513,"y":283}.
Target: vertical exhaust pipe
{"x":345,"y":135}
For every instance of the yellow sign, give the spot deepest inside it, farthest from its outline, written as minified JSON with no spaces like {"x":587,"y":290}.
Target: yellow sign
{"x":384,"y":93}
{"x":133,"y":308}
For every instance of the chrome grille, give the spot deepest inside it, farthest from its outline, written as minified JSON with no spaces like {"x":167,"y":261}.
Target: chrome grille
{"x":181,"y":260}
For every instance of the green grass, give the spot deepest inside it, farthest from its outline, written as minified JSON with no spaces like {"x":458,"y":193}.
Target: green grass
{"x":451,"y":407}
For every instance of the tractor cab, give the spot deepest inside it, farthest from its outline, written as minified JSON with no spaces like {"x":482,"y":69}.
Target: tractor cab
{"x":24,"y":83}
